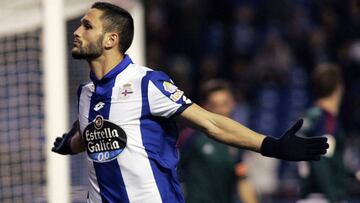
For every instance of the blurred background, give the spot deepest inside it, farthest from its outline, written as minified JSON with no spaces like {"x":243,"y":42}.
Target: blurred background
{"x":266,"y":49}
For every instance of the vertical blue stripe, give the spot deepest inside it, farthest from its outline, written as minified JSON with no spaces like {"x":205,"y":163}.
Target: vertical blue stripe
{"x":109,"y":177}
{"x":160,"y":144}
{"x":111,"y":184}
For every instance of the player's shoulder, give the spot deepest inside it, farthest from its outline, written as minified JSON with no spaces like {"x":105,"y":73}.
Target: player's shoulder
{"x":159,"y":76}
{"x":150,"y":73}
{"x":314,"y":114}
{"x":85,"y":85}
{"x":312,"y":117}
{"x":156,"y":75}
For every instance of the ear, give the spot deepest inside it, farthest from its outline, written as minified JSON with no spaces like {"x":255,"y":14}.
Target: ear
{"x":111,"y":40}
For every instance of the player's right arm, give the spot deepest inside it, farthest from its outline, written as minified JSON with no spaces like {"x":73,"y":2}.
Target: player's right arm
{"x":69,"y":143}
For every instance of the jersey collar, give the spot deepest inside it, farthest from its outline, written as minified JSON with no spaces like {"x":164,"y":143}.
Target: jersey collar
{"x":113,"y":73}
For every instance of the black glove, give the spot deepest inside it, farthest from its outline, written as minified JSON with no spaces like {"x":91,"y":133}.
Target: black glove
{"x":62,"y":144}
{"x":290,"y":147}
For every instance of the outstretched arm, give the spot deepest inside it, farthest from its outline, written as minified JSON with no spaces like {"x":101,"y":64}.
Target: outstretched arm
{"x":288,"y":147}
{"x":222,"y":129}
{"x":69,"y":143}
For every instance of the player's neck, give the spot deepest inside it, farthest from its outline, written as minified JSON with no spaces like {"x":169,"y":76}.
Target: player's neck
{"x":104,"y":64}
{"x":329,"y":104}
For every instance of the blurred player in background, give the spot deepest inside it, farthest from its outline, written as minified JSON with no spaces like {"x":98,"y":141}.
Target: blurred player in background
{"x":325,"y":181}
{"x":213,"y":171}
{"x":126,"y":119}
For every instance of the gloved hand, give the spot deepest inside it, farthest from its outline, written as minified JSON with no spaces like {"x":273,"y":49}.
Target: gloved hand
{"x":62,"y":144}
{"x":290,"y":147}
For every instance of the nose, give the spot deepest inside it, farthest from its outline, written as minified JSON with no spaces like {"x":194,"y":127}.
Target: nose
{"x":77,"y":32}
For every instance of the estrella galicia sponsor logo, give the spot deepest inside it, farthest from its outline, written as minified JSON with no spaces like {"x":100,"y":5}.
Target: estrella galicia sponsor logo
{"x":104,"y":140}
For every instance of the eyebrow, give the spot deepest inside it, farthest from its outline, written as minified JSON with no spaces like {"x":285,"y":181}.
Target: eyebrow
{"x":83,"y":21}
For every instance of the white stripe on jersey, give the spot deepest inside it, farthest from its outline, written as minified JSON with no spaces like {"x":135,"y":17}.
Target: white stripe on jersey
{"x":133,"y":161}
{"x":94,"y":190}
{"x":164,"y":107}
{"x":84,"y":104}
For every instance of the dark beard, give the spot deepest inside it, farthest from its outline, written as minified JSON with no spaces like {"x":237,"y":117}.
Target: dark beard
{"x":92,"y":51}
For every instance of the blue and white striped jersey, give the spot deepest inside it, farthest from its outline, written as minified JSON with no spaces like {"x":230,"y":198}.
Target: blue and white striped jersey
{"x":130,"y":136}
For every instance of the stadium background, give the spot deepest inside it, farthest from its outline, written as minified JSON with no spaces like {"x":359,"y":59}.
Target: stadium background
{"x":266,"y":49}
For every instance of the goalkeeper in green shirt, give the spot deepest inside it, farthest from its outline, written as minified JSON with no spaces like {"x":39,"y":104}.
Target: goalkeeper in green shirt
{"x":211,"y":171}
{"x":325,"y":180}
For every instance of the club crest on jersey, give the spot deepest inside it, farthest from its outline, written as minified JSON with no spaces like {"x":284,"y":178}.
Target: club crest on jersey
{"x":104,"y":140}
{"x":169,"y":87}
{"x":126,"y":91}
{"x":99,"y":120}
{"x":176,"y":95}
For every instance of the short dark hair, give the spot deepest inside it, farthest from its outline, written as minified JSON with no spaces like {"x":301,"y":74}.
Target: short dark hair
{"x":325,"y":79}
{"x":116,"y":19}
{"x":211,"y":86}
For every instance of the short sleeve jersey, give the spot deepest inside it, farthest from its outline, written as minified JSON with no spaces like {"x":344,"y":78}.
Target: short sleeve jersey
{"x":126,"y":122}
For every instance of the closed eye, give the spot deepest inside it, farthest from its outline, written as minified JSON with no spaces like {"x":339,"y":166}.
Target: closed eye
{"x":86,"y":24}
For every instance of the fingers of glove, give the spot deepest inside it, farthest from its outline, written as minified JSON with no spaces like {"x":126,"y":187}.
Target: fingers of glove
{"x":318,"y":145}
{"x":56,"y":147}
{"x":61,"y":145}
{"x":315,"y":140}
{"x":296,"y":127}
{"x":316,"y":151}
{"x":57,"y":141}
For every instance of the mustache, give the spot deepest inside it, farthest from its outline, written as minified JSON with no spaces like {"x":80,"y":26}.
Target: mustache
{"x":77,"y":41}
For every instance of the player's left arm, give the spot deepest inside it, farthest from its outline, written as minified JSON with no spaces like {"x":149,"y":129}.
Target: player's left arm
{"x":288,"y":147}
{"x":222,"y":129}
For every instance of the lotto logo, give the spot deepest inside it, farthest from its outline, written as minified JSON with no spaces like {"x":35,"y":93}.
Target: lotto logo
{"x":99,"y":106}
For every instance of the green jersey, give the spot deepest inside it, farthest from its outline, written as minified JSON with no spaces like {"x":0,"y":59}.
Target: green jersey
{"x":327,"y":176}
{"x":207,"y":169}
